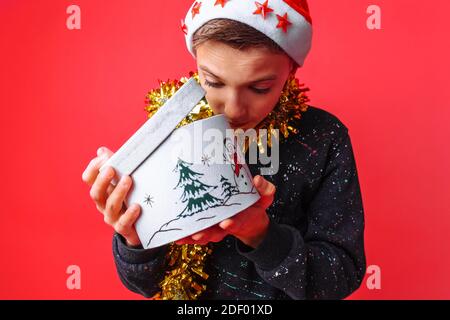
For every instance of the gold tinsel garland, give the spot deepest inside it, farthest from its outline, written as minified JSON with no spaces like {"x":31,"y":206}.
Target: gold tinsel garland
{"x":185,"y":277}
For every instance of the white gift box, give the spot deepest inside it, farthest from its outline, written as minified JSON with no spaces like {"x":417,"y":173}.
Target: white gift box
{"x":185,"y":180}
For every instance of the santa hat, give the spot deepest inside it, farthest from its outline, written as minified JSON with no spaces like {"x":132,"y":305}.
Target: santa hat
{"x":287,"y":22}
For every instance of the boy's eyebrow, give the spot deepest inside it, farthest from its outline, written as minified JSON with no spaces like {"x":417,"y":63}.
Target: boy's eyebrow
{"x":271,"y":77}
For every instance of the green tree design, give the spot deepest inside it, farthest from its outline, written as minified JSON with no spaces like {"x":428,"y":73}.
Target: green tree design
{"x":195,"y":193}
{"x":228,"y":189}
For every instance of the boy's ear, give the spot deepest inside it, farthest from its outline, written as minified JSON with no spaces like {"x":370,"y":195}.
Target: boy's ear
{"x":294,"y":67}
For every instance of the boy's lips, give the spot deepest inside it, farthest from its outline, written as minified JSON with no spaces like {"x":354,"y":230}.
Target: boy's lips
{"x":236,"y":124}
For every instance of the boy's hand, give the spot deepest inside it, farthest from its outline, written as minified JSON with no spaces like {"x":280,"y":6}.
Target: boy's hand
{"x":109,"y":200}
{"x":250,"y":226}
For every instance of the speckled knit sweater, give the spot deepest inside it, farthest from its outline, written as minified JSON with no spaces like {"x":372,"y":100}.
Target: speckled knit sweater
{"x":314,"y":247}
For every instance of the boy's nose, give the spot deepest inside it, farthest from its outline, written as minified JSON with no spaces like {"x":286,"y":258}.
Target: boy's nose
{"x":235,"y":110}
{"x":235,"y":114}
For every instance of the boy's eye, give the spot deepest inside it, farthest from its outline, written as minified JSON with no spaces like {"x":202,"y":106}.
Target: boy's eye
{"x":213,"y":84}
{"x":219,"y":85}
{"x":261,"y":91}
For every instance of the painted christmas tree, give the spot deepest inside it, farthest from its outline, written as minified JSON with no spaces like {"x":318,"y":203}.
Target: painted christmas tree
{"x":195,"y":193}
{"x":228,"y":189}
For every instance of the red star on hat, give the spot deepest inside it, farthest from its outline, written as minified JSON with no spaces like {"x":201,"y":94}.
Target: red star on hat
{"x":263,"y":9}
{"x":283,"y":22}
{"x":184,"y":27}
{"x":221,"y":2}
{"x":196,"y":9}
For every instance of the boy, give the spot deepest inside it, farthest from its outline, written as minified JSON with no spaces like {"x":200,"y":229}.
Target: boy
{"x":304,"y":238}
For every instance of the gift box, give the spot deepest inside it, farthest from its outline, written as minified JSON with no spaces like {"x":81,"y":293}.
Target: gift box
{"x":185,"y":179}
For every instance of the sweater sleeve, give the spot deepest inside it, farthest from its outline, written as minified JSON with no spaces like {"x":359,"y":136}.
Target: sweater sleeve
{"x":140,"y":270}
{"x":328,"y":260}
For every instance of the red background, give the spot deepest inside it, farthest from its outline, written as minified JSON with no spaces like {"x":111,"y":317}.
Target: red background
{"x":66,"y":92}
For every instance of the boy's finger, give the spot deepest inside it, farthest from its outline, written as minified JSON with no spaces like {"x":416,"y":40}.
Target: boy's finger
{"x":264,"y":202}
{"x":98,"y":189}
{"x":110,"y":189}
{"x":214,"y":233}
{"x":218,"y":237}
{"x":92,"y":170}
{"x":189,"y":240}
{"x":90,"y":174}
{"x":104,"y":150}
{"x":125,"y":225}
{"x":267,"y":191}
{"x":231,"y":225}
{"x":115,"y":200}
{"x":182,"y":241}
{"x":264,"y":187}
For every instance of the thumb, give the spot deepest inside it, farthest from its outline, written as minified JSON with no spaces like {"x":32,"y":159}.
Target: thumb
{"x":266,"y":189}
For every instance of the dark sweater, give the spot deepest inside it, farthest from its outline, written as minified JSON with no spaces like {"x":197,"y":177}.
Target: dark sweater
{"x":314,"y":247}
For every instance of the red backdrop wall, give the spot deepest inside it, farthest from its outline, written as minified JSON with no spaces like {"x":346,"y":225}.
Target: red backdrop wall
{"x":66,"y":92}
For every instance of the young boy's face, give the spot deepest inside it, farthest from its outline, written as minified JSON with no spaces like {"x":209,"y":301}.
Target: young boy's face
{"x":243,"y":85}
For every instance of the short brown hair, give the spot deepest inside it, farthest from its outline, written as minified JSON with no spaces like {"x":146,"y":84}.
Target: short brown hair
{"x":237,"y":35}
